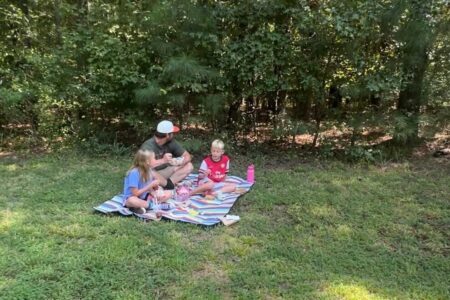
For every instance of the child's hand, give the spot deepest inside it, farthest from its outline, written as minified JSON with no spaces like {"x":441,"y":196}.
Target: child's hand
{"x":154,"y":185}
{"x":158,"y":193}
{"x":208,"y":172}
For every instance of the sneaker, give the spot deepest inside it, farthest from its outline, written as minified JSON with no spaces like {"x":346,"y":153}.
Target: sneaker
{"x":138,"y":210}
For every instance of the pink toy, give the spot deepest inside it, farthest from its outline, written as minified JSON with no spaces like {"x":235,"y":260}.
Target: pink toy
{"x":182,"y":193}
{"x":251,"y":174}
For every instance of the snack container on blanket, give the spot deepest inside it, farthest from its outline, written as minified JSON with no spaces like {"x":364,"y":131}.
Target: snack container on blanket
{"x":182,"y":193}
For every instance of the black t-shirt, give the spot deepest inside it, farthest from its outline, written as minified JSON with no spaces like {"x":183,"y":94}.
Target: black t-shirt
{"x":172,"y":147}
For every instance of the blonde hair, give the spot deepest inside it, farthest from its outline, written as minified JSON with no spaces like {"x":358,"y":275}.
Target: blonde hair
{"x":140,"y":162}
{"x":218,"y":144}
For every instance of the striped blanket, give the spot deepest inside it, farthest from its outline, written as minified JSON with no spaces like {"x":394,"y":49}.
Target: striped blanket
{"x":197,"y":209}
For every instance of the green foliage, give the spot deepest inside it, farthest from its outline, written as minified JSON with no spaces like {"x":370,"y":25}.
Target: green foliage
{"x":94,"y":147}
{"x":213,"y":110}
{"x":289,"y":128}
{"x":196,"y":146}
{"x":404,"y":127}
{"x":360,"y":154}
{"x":13,"y":104}
{"x":122,"y":66}
{"x":150,"y":95}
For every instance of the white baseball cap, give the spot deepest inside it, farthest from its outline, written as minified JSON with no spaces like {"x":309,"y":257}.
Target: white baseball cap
{"x":167,"y":127}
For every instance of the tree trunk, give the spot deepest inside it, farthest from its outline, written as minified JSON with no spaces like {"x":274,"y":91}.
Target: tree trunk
{"x":26,"y":12}
{"x":58,"y":23}
{"x":302,"y":105}
{"x":410,"y":100}
{"x":233,"y":111}
{"x":415,"y":63}
{"x":316,"y":134}
{"x":82,"y":21}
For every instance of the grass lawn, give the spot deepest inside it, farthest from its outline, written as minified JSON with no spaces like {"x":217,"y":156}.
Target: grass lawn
{"x":307,"y":231}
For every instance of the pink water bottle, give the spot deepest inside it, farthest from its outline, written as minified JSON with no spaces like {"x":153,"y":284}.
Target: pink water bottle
{"x":251,"y":173}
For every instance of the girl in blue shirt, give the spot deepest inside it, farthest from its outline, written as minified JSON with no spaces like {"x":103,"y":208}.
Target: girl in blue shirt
{"x":141,"y":185}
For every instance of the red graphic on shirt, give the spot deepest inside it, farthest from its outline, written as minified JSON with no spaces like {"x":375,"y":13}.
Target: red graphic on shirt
{"x":219,"y":169}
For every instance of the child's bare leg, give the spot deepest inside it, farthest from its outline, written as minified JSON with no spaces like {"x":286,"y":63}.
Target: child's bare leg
{"x":228,"y":188}
{"x":135,"y":202}
{"x":202,"y":188}
{"x":166,"y":195}
{"x":161,"y":195}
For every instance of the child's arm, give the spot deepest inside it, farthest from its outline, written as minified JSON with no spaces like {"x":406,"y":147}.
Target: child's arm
{"x":148,"y":188}
{"x":227,"y":169}
{"x":204,"y":169}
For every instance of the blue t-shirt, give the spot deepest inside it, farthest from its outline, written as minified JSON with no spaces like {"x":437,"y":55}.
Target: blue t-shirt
{"x":133,"y":180}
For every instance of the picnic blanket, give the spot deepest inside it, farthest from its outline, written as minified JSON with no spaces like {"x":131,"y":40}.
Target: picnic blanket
{"x":197,"y":209}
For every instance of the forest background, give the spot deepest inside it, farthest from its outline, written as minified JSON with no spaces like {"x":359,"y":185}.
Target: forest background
{"x":335,"y":75}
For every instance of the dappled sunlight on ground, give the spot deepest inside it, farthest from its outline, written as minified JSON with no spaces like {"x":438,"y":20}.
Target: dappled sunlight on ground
{"x":239,"y":247}
{"x":72,"y":231}
{"x":5,"y":283}
{"x":343,"y":230}
{"x":211,"y":271}
{"x":4,"y":154}
{"x":19,"y":167}
{"x":12,"y":167}
{"x":9,"y":218}
{"x":351,"y":291}
{"x":324,"y":211}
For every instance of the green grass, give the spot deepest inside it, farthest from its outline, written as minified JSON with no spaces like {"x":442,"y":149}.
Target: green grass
{"x":310,"y":231}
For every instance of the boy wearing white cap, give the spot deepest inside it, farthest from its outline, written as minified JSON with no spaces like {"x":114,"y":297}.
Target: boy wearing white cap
{"x":168,"y":158}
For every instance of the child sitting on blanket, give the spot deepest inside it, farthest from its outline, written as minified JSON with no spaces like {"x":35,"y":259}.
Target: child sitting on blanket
{"x":141,"y":186}
{"x":214,"y":169}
